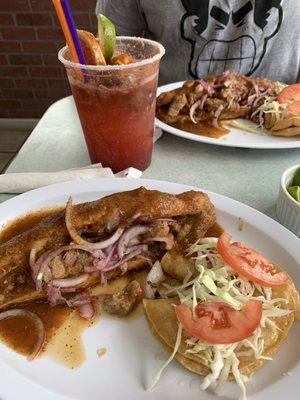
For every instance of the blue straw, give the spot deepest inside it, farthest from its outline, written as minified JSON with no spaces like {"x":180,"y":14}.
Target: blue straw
{"x":69,"y":17}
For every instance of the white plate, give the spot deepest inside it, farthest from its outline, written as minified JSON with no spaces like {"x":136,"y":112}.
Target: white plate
{"x":236,"y":137}
{"x":133,"y":354}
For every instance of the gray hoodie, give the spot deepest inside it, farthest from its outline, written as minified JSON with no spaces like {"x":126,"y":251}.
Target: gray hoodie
{"x":202,"y":37}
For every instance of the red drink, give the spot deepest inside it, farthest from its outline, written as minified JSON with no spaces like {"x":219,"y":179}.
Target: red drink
{"x":116,"y":105}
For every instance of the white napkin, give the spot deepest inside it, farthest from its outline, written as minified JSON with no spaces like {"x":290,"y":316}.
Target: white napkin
{"x":22,"y":182}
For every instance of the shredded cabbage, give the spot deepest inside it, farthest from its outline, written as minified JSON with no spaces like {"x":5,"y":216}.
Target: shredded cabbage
{"x":217,"y":281}
{"x":164,"y":366}
{"x":270,"y":105}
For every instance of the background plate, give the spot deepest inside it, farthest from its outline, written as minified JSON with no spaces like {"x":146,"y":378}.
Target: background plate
{"x":133,"y":355}
{"x":236,"y":137}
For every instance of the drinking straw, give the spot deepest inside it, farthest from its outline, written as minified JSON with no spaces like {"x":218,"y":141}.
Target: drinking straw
{"x":70,"y":21}
{"x":66,"y":30}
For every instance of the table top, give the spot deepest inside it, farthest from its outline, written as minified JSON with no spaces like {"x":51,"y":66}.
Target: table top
{"x":249,"y":176}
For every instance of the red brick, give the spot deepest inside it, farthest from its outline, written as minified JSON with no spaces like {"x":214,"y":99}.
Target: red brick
{"x":31,"y":83}
{"x":8,"y":104}
{"x":10,"y":47}
{"x":35,"y":104}
{"x":6,"y":19}
{"x":42,"y":5}
{"x":4,"y":113}
{"x":6,"y":83}
{"x":18,"y":33}
{"x":14,"y":5}
{"x":25,"y":59}
{"x":84,"y":20}
{"x":51,"y":94}
{"x":34,"y":19}
{"x":3,"y":60}
{"x":47,"y":72}
{"x":39,"y":47}
{"x":60,"y":44}
{"x":13,"y":71}
{"x":80,"y":20}
{"x":50,"y":33}
{"x":58,"y":83}
{"x":85,"y":6}
{"x":17,"y":94}
{"x":51,"y":59}
{"x":24,"y":113}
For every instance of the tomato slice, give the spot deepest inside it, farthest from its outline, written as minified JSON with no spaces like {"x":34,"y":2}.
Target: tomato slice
{"x":218,"y":323}
{"x":294,"y":108}
{"x":249,"y":263}
{"x":289,"y":93}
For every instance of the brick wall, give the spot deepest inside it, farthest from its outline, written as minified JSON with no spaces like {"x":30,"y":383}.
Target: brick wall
{"x":31,"y":77}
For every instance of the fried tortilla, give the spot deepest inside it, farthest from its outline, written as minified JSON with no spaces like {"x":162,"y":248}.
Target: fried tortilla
{"x":169,"y":219}
{"x":163,"y":323}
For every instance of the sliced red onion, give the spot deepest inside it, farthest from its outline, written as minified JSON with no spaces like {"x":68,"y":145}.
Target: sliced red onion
{"x":70,"y":282}
{"x":129,"y":235}
{"x":255,"y":86}
{"x":39,"y":324}
{"x":217,"y":115}
{"x":193,"y":110}
{"x":53,"y":294}
{"x":202,"y":101}
{"x":68,"y":220}
{"x":207,"y":86}
{"x":98,"y":254}
{"x":165,"y":220}
{"x":154,"y":278}
{"x":227,"y":74}
{"x":42,"y":263}
{"x":79,"y":240}
{"x":129,"y":256}
{"x":71,"y":257}
{"x":86,"y":311}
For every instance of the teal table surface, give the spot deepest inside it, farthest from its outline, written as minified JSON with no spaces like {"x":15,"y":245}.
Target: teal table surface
{"x":247,"y":175}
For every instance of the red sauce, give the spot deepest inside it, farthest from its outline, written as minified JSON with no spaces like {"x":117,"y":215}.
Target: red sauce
{"x":118,"y":123}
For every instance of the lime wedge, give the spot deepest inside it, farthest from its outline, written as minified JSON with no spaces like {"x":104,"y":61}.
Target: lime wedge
{"x":296,"y":179}
{"x":294,"y":191}
{"x":107,"y":36}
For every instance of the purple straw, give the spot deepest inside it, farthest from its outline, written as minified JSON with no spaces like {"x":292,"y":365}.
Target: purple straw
{"x":69,"y":17}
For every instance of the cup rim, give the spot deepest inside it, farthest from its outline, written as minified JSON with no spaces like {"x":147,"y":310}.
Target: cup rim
{"x":156,"y":57}
{"x":283,"y":183}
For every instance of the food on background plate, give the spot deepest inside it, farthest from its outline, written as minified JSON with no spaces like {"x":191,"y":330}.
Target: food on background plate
{"x":226,"y":316}
{"x":280,"y":114}
{"x":201,"y":106}
{"x":294,"y":187}
{"x":95,"y":242}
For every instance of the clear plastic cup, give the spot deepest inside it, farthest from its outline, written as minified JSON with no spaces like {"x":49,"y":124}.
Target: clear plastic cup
{"x":116,"y":104}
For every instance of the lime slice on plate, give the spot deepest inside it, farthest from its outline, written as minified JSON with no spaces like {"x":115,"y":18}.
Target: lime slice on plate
{"x":107,"y":36}
{"x":296,"y":179}
{"x":294,"y":191}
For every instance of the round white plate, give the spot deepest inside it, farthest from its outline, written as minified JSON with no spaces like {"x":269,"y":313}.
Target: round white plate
{"x":236,"y":137}
{"x":133,"y":355}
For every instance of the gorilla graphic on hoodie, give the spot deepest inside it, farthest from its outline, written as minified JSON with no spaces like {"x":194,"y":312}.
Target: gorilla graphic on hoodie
{"x":229,"y":34}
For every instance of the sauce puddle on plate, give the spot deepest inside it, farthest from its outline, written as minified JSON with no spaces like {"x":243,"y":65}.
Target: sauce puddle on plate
{"x":203,"y":129}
